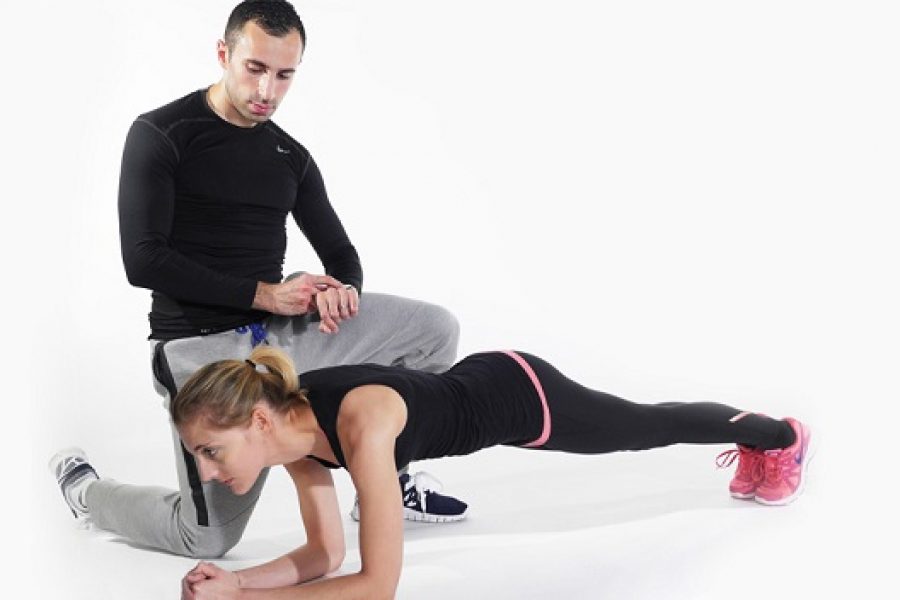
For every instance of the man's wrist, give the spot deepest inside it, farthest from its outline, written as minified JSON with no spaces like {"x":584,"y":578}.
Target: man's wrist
{"x":262,"y":299}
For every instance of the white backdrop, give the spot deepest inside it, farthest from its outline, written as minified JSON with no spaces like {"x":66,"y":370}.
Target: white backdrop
{"x":669,"y":200}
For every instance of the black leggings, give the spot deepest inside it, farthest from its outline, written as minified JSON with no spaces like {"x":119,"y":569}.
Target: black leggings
{"x":586,"y":421}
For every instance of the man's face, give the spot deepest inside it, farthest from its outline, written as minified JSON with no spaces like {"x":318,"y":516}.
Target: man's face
{"x":258,"y":72}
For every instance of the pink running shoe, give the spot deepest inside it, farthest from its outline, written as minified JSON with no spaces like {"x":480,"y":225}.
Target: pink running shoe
{"x":785,"y":469}
{"x":749,"y":470}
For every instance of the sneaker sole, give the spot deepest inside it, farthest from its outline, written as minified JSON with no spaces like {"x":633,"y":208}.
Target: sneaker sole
{"x":57,"y":458}
{"x":811,"y":448}
{"x":740,"y":496}
{"x":415,"y":515}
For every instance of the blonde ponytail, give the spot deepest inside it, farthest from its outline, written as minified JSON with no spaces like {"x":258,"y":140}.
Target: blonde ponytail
{"x":276,"y":362}
{"x":225,"y":392}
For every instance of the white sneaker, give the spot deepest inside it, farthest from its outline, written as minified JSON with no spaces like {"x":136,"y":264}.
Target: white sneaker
{"x":73,"y":473}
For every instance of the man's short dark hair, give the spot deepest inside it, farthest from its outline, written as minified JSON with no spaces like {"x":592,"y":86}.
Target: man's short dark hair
{"x":275,"y":17}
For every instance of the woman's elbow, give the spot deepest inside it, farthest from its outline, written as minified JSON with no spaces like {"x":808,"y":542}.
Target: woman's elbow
{"x":335,"y":557}
{"x":381,"y":582}
{"x":382,"y":588}
{"x":330,"y":554}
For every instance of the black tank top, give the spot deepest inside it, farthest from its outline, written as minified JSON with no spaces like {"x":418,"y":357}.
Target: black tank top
{"x":483,"y":400}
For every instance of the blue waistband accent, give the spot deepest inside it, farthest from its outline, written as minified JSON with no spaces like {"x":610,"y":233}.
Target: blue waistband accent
{"x":257,"y":331}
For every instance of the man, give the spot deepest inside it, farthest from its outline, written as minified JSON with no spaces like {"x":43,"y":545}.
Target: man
{"x":207,"y":182}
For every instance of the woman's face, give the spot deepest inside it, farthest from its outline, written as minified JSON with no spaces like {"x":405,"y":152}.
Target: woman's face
{"x":233,"y":456}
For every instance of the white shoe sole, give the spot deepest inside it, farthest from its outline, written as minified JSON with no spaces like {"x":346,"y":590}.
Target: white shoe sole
{"x":63,"y":454}
{"x":740,"y":496}
{"x":415,"y":515}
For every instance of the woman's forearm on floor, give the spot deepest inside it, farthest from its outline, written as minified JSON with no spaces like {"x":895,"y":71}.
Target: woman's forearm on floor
{"x":344,"y":587}
{"x":303,"y":564}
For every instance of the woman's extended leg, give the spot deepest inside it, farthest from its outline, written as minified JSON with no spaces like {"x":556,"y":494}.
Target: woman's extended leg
{"x":773,"y":452}
{"x":587,"y":421}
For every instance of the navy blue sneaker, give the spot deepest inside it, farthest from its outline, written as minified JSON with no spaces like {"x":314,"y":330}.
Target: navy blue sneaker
{"x":423,"y":502}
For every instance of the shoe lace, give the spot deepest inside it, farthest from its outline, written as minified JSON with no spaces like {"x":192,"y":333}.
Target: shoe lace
{"x":750,"y":463}
{"x":775,"y":461}
{"x":421,"y":484}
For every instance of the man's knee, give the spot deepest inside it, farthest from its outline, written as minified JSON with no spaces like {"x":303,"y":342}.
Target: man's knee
{"x":209,"y":542}
{"x":443,"y":323}
{"x":441,"y":330}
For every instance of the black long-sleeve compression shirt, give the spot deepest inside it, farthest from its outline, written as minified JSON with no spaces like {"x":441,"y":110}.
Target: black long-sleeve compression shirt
{"x":203,"y":207}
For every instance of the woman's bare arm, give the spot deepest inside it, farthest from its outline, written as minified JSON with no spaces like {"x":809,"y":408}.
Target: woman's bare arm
{"x":324,"y":548}
{"x":370,"y":419}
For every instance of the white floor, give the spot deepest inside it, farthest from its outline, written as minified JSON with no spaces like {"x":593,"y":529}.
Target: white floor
{"x":646,"y":525}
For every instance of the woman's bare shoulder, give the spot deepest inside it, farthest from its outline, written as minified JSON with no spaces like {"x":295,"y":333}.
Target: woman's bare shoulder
{"x":372,"y":408}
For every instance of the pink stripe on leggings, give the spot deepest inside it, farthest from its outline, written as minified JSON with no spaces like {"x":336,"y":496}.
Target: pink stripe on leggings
{"x":545,"y":432}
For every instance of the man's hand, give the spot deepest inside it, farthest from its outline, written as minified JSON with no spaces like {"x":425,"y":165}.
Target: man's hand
{"x":335,"y":305}
{"x":293,"y":297}
{"x":206,"y":581}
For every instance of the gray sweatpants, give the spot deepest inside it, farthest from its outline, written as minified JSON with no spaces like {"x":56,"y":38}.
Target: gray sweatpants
{"x":206,"y":519}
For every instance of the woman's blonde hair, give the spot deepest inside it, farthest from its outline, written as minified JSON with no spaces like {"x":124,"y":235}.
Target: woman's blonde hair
{"x":225,"y":392}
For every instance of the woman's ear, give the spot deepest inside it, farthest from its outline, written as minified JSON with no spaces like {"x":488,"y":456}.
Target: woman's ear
{"x":261,"y":417}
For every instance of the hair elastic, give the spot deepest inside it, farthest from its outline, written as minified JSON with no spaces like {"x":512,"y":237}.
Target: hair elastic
{"x":256,"y":367}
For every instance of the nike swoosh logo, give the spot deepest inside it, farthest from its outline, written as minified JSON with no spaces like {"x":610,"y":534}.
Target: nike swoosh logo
{"x":282,"y":150}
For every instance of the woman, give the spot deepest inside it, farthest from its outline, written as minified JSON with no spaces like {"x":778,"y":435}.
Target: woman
{"x":237,"y":417}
